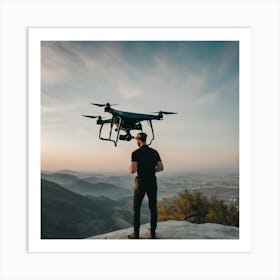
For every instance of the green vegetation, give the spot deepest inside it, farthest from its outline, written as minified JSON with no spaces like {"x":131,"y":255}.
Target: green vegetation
{"x":194,"y":207}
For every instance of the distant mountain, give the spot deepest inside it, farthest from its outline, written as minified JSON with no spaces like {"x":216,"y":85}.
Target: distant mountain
{"x":123,"y":181}
{"x":103,"y":201}
{"x":59,"y":178}
{"x":178,"y":230}
{"x":79,"y":174}
{"x":98,"y":189}
{"x":87,"y":186}
{"x":65,"y":214}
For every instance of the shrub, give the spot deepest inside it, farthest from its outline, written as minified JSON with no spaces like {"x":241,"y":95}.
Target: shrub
{"x":192,"y":206}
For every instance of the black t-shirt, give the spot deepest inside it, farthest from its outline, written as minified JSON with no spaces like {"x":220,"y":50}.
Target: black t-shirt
{"x":146,"y":159}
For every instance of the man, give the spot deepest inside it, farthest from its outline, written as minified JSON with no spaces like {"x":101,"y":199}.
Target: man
{"x":146,"y":161}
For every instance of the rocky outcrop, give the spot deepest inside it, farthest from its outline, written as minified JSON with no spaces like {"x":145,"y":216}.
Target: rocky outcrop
{"x":178,"y":230}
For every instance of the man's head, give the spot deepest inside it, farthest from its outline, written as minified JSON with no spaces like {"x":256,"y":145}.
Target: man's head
{"x":141,"y":138}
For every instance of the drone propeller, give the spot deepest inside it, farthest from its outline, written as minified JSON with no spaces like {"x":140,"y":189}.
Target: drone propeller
{"x":165,"y":113}
{"x":103,"y":105}
{"x":99,"y":105}
{"x":92,"y":117}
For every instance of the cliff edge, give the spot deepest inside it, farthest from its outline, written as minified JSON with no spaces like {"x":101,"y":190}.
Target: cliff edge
{"x":178,"y":230}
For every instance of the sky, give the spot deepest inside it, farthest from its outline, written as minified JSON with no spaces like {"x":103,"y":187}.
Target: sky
{"x":197,"y":79}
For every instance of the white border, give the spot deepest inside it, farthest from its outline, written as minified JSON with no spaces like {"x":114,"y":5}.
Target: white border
{"x":243,"y":35}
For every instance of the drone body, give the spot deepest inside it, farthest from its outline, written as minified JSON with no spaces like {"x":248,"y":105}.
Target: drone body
{"x":124,"y":121}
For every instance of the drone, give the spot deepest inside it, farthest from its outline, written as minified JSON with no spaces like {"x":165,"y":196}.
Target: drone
{"x":124,"y":121}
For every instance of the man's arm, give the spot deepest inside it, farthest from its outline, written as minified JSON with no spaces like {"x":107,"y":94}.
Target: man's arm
{"x":159,"y":166}
{"x":133,"y":167}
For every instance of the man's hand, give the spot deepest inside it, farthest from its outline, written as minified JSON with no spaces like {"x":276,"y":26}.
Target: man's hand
{"x":133,"y":167}
{"x":159,"y":166}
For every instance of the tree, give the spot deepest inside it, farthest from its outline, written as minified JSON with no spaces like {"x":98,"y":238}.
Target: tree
{"x":196,"y":208}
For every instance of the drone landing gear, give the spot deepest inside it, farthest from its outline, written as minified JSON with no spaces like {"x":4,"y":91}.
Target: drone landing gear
{"x":127,"y":136}
{"x":153,"y":135}
{"x":110,"y":133}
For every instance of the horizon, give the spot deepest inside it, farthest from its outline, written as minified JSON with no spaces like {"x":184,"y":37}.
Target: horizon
{"x":209,"y":171}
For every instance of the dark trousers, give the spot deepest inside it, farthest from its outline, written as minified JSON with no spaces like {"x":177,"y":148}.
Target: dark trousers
{"x":139,"y":193}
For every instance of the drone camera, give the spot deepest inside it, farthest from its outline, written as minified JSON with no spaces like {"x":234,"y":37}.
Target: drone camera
{"x":126,"y":137}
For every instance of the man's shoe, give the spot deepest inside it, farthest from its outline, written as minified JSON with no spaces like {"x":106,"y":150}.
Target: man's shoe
{"x":134,"y":235}
{"x":153,"y":234}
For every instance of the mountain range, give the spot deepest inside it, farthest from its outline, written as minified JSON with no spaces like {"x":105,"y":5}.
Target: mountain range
{"x":66,"y":214}
{"x":83,"y":204}
{"x":83,"y":186}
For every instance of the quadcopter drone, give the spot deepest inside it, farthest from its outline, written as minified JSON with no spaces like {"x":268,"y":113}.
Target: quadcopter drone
{"x":125,"y":121}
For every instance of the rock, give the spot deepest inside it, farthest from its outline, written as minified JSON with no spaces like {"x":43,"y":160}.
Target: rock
{"x":178,"y":230}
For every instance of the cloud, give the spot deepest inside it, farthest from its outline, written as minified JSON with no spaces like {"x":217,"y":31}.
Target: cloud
{"x":54,"y":68}
{"x":127,"y":89}
{"x":194,"y":83}
{"x":207,"y":99}
{"x":100,"y":58}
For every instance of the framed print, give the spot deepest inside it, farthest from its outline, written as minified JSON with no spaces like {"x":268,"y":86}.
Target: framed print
{"x":213,"y":63}
{"x":91,"y":91}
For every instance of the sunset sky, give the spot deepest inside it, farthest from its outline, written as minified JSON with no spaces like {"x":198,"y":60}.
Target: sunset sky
{"x":197,"y":79}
